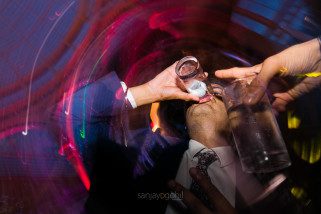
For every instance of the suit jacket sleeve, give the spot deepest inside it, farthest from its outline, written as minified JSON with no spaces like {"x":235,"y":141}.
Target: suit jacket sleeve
{"x":85,"y":115}
{"x":102,"y":98}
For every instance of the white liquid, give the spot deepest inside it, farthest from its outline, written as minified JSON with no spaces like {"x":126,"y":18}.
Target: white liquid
{"x":197,"y":88}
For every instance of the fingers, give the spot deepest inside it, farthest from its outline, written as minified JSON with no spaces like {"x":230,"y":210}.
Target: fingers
{"x":281,"y":101}
{"x":304,"y":86}
{"x":264,"y":72}
{"x":174,"y":64}
{"x":237,"y":73}
{"x":214,"y":195}
{"x":186,"y":96}
{"x":193,"y":203}
{"x":255,"y":91}
{"x":171,"y":69}
{"x":257,"y":87}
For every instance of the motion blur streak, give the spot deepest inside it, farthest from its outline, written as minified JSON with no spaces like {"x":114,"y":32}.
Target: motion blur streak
{"x":82,"y":41}
{"x":154,"y":117}
{"x":293,"y":121}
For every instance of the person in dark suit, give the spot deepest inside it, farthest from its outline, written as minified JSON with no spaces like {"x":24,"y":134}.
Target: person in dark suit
{"x":93,"y":122}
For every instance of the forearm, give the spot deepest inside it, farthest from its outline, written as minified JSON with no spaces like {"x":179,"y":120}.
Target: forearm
{"x":298,"y":59}
{"x":319,"y":42}
{"x":307,"y":58}
{"x":316,"y":51}
{"x":143,"y":94}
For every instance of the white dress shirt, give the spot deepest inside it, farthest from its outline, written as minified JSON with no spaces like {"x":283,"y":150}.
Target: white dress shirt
{"x":226,"y":175}
{"x":221,"y":171}
{"x":129,"y":95}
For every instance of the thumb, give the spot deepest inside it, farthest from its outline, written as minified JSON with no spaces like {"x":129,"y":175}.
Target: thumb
{"x":281,"y":101}
{"x":186,"y":96}
{"x":257,"y":87}
{"x":305,"y":86}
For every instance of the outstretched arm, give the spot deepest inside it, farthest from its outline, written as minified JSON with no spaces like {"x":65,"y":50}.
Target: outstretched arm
{"x":298,"y":60}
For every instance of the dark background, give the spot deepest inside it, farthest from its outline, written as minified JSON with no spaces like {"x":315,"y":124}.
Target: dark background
{"x":45,"y":46}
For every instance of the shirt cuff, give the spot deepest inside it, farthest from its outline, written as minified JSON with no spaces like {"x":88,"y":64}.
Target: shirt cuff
{"x":129,"y":95}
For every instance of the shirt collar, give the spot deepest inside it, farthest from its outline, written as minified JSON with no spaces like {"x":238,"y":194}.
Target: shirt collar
{"x":225,"y":154}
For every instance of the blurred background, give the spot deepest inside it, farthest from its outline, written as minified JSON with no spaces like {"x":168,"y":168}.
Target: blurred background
{"x":49,"y":48}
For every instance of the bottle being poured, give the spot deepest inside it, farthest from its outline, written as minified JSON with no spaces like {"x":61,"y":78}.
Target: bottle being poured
{"x":194,"y":79}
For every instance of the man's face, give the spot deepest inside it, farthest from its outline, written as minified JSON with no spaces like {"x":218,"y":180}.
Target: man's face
{"x":211,"y":116}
